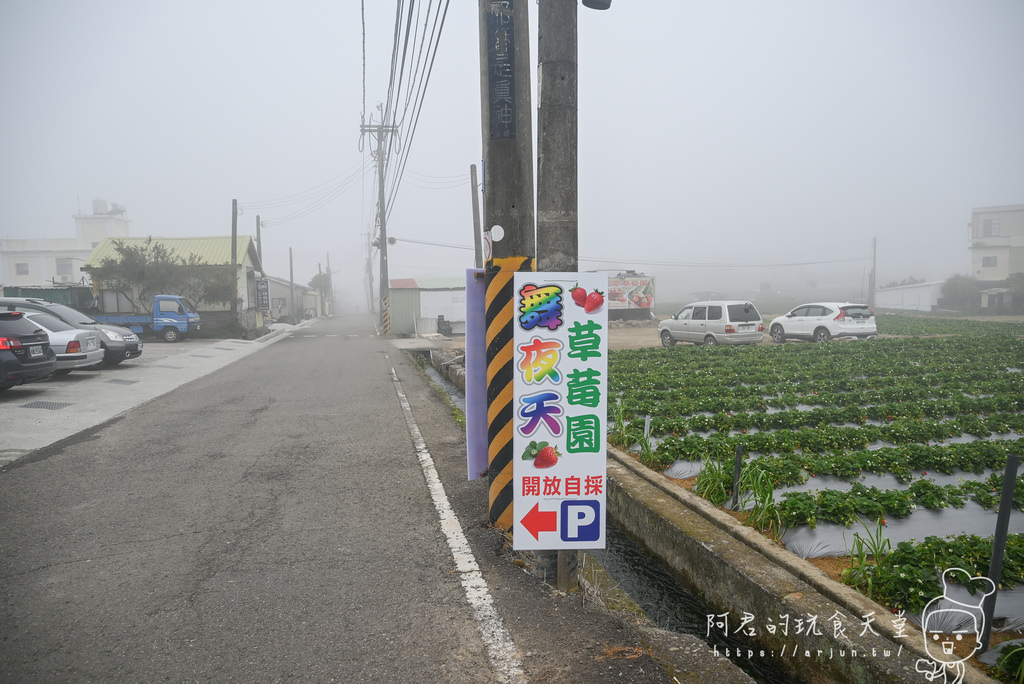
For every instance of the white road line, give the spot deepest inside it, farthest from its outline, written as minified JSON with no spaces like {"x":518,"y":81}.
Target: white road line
{"x":500,"y":648}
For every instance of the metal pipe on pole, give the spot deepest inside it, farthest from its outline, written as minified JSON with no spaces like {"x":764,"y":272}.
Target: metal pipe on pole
{"x":477,"y":238}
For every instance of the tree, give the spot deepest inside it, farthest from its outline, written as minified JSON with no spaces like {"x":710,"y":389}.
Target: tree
{"x":140,"y":271}
{"x":1015,"y":283}
{"x":961,"y":292}
{"x":906,"y":281}
{"x":321,"y":282}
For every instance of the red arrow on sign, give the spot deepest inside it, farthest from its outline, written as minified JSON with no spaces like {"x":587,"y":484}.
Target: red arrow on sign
{"x":537,"y":521}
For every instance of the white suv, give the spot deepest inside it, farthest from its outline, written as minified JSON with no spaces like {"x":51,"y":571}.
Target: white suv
{"x":821,"y":321}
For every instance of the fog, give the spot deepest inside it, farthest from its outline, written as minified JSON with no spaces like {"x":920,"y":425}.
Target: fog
{"x":739,"y":147}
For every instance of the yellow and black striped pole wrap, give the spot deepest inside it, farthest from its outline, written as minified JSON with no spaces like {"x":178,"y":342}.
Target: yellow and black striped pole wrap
{"x":499,"y":300}
{"x":385,"y":315}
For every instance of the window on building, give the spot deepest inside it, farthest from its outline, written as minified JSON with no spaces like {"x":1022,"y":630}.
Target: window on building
{"x":65,"y":267}
{"x":990,"y":228}
{"x":21,"y":269}
{"x":988,"y":262}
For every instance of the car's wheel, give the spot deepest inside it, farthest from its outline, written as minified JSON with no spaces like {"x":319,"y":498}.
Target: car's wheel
{"x":778,"y":334}
{"x":171,"y":334}
{"x":666,"y":339}
{"x":63,"y":371}
{"x":822,"y":335}
{"x":710,"y":341}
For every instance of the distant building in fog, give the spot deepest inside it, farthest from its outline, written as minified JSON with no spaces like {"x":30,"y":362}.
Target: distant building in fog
{"x":37,"y":262}
{"x":997,"y":242}
{"x":916,"y":297}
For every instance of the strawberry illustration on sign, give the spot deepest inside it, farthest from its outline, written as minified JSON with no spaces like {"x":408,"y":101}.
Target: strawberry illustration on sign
{"x":543,"y":454}
{"x":595,"y":300}
{"x":579,"y":295}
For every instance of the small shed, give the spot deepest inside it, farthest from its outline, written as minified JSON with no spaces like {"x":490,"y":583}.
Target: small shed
{"x":416,"y":303}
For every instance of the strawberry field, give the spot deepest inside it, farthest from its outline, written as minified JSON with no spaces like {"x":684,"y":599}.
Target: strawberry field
{"x":889,"y":451}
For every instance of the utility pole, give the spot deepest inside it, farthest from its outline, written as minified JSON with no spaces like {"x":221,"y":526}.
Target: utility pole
{"x":369,"y":275}
{"x":557,"y":195}
{"x":259,"y":243}
{"x":874,"y":271}
{"x":557,"y":137}
{"x":234,"y":258}
{"x":379,"y":130}
{"x":291,"y":285}
{"x":507,"y":130}
{"x":330,"y":286}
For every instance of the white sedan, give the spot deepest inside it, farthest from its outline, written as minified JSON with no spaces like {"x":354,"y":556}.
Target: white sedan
{"x":75,"y":347}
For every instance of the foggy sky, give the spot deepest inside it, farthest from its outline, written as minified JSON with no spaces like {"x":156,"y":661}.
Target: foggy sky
{"x":739,"y":134}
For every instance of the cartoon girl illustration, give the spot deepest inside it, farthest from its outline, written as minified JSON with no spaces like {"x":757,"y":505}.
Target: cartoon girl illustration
{"x":948,"y":622}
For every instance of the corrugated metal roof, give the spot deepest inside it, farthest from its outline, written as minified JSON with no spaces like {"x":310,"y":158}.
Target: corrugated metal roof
{"x":211,"y":250}
{"x":428,"y":283}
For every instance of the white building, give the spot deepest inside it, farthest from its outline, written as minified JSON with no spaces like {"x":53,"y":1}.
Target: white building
{"x":55,"y":261}
{"x":997,"y":242}
{"x":916,"y":297}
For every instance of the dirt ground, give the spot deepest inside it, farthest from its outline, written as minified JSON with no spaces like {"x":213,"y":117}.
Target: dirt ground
{"x":633,"y":338}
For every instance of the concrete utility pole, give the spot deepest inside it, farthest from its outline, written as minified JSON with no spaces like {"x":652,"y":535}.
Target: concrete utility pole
{"x":508,"y":217}
{"x":557,"y":137}
{"x":379,"y":130}
{"x":557,"y":196}
{"x":330,"y":286}
{"x":507,"y":125}
{"x":874,"y":271}
{"x":291,"y":286}
{"x":259,"y":243}
{"x":234,"y":258}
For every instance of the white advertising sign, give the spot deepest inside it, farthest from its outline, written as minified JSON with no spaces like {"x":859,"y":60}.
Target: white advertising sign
{"x":560,"y":389}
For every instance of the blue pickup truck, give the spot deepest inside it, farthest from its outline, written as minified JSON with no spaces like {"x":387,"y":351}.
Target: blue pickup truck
{"x":172,"y":318}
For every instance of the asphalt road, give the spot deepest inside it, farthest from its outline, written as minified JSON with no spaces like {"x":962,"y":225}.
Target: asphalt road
{"x":271,"y":519}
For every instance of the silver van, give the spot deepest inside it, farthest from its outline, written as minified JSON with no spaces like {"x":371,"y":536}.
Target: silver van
{"x":714,"y":322}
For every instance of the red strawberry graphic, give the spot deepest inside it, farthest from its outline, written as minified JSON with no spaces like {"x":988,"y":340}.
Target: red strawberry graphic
{"x":595,"y":300}
{"x":543,"y":456}
{"x":579,"y":295}
{"x":547,"y":457}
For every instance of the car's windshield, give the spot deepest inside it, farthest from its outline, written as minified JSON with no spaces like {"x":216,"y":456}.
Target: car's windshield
{"x":51,"y":323}
{"x":71,"y":316}
{"x":743,"y":313}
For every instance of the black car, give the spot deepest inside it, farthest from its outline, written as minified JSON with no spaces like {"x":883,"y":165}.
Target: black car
{"x":25,"y":354}
{"x":118,"y":343}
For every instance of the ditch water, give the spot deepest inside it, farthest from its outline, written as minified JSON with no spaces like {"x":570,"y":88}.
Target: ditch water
{"x":650,"y":584}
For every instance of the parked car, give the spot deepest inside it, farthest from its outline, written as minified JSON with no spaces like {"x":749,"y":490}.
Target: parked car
{"x":118,"y":343}
{"x":822,"y":321}
{"x":75,"y":347}
{"x":714,"y":322}
{"x":25,"y":354}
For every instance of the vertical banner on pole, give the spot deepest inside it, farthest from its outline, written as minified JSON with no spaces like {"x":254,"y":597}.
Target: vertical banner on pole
{"x":476,"y":375}
{"x":560,"y":386}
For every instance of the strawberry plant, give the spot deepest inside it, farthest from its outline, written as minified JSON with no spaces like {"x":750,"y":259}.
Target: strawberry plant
{"x":899,"y":408}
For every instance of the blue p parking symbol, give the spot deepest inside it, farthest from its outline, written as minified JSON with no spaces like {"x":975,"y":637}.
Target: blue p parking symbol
{"x":581,"y":521}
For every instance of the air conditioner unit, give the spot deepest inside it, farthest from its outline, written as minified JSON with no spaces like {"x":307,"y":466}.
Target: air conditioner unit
{"x":65,"y":279}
